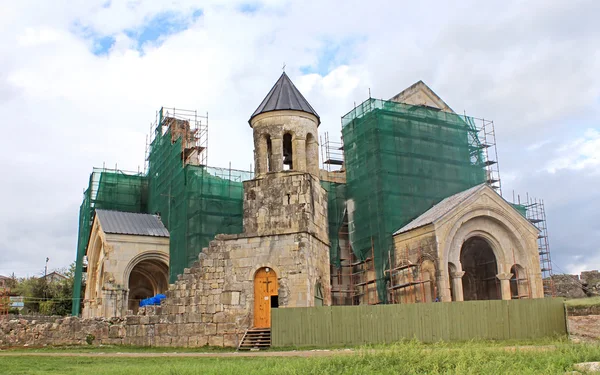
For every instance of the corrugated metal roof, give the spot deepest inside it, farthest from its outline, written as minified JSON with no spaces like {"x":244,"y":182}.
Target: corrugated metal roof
{"x":284,"y":96}
{"x":118,"y":222}
{"x":440,"y":209}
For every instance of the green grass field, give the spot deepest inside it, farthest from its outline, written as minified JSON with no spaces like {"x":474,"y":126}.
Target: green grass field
{"x":547,"y":357}
{"x":583,"y":302}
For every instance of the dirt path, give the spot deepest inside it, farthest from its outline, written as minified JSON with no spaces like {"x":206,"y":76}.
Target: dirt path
{"x":291,"y":353}
{"x":301,"y":353}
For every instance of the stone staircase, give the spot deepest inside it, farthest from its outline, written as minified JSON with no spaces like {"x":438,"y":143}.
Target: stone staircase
{"x":256,"y":339}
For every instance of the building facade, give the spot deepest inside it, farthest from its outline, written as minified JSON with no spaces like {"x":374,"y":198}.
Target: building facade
{"x":408,"y":217}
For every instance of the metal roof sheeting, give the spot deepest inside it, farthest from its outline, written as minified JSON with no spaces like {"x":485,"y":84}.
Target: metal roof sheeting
{"x":440,"y":209}
{"x":284,"y":96}
{"x":117,"y":222}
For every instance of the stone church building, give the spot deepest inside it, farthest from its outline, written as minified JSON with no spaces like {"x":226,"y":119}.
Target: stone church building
{"x":471,"y":245}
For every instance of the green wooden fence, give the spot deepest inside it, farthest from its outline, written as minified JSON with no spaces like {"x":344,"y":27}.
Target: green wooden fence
{"x":428,"y":322}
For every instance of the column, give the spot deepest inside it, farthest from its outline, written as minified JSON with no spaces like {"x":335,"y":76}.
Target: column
{"x":457,"y":286}
{"x":505,"y":285}
{"x":444,"y":288}
{"x":277,"y":149}
{"x":312,"y":157}
{"x":260,"y":154}
{"x":299,"y":148}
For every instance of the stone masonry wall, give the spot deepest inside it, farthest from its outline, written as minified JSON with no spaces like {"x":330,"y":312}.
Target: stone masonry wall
{"x":210,"y":304}
{"x":575,"y":286}
{"x":285,"y":202}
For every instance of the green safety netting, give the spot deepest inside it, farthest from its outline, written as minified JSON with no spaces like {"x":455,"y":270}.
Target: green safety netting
{"x":336,"y":209}
{"x":109,"y":190}
{"x":194,"y":202}
{"x":400,"y":161}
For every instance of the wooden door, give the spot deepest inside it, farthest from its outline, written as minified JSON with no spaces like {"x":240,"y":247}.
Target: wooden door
{"x":265,"y":287}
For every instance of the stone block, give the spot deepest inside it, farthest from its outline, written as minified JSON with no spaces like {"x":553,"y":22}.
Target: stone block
{"x":162,"y":329}
{"x":210,"y":329}
{"x":114,"y":332}
{"x":231,"y":340}
{"x":230,"y":298}
{"x":215,"y":341}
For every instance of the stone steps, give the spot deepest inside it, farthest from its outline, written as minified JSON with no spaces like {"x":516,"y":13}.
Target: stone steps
{"x":256,"y":339}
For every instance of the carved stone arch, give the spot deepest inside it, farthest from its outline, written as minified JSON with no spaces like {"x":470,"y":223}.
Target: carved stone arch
{"x":519,"y":282}
{"x":146,"y":275}
{"x":92,"y":288}
{"x":147,"y":255}
{"x":504,"y":233}
{"x":252,"y":273}
{"x":500,"y":218}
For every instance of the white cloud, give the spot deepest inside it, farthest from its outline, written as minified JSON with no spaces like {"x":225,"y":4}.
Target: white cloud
{"x":582,"y":153}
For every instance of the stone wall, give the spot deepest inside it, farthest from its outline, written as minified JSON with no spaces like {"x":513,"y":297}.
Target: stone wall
{"x":591,"y":282}
{"x":211,"y":303}
{"x":575,"y":286}
{"x":417,"y":247}
{"x":40,"y":331}
{"x":285,"y":202}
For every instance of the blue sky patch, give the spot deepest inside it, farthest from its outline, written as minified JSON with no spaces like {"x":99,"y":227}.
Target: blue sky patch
{"x":161,"y":26}
{"x":154,"y":30}
{"x":103,"y":44}
{"x":249,"y":7}
{"x":331,"y":55}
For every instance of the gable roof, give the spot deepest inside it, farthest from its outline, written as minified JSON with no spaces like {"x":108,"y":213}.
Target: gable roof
{"x":284,"y":96}
{"x":54,"y":274}
{"x":410,"y":92}
{"x":440,"y":209}
{"x":117,"y":222}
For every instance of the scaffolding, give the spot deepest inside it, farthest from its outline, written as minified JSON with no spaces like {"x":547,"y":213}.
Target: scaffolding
{"x":485,"y":144}
{"x":364,"y":281}
{"x":186,"y":125}
{"x":536,"y":214}
{"x":4,"y":301}
{"x":109,"y":189}
{"x":195,"y":202}
{"x":332,"y":153}
{"x":401,"y":160}
{"x":406,"y":279}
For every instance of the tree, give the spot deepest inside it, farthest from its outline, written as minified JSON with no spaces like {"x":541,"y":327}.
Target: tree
{"x":48,"y":298}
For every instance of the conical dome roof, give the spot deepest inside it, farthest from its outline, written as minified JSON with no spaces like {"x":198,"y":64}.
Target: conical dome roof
{"x":284,"y":96}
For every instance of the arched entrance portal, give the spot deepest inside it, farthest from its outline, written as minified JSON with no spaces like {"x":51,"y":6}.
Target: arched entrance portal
{"x":147,"y":279}
{"x":479,"y":263}
{"x":265,"y":296}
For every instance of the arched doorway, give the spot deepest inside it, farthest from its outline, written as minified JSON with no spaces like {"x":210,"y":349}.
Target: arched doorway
{"x":265,"y":296}
{"x":479,"y":263}
{"x":519,"y":287}
{"x":147,"y":279}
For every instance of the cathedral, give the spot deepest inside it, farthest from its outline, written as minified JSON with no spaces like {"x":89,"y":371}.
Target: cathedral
{"x":410,"y":212}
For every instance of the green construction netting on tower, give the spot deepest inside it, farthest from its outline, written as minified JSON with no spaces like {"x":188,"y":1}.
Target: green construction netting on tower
{"x":400,"y":161}
{"x":109,"y":190}
{"x":336,"y":209}
{"x":194,"y":202}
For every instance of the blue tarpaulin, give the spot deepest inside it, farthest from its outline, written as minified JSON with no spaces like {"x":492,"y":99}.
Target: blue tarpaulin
{"x":152,"y":300}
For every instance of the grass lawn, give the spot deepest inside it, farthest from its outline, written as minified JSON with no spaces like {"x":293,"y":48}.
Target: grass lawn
{"x":583,"y":302}
{"x":400,"y":358}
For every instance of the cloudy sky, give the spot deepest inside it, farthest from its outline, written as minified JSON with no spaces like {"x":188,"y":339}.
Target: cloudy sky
{"x":81,"y":81}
